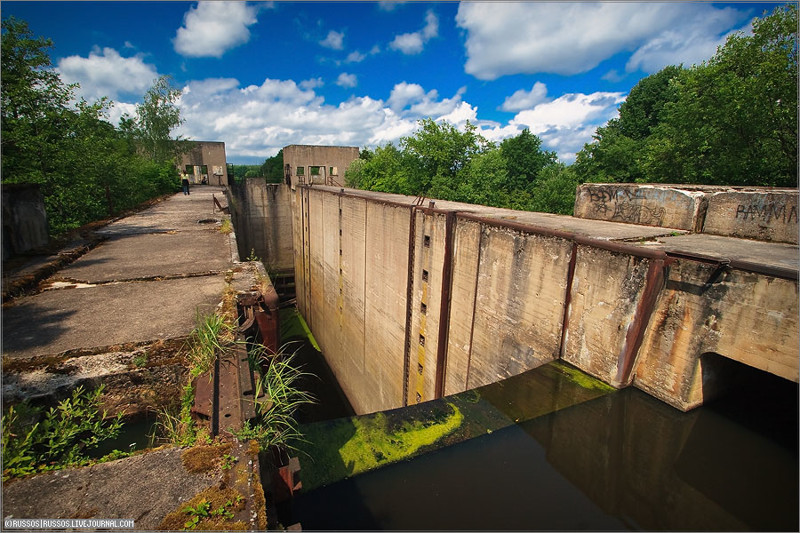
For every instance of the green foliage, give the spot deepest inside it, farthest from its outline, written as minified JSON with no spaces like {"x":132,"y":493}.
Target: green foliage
{"x":35,"y":440}
{"x":87,"y":168}
{"x":278,"y":396}
{"x":272,"y":168}
{"x":441,"y":162}
{"x":206,"y":341}
{"x":178,"y":429}
{"x":731,"y":120}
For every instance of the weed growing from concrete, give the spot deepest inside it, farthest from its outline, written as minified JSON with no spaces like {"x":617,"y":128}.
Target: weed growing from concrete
{"x":226,"y":227}
{"x":35,"y":440}
{"x":206,"y":341}
{"x":278,"y":396}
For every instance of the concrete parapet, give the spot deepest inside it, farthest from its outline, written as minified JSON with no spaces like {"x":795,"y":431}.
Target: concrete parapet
{"x":648,"y":205}
{"x":759,"y":213}
{"x":764,"y":215}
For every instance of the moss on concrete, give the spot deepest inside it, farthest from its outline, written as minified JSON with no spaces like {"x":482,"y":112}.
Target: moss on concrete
{"x":351,"y":446}
{"x":218,"y":502}
{"x":580,"y":378}
{"x":204,"y":458}
{"x":293,"y":326}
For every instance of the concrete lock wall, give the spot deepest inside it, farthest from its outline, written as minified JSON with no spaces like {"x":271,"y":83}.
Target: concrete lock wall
{"x":410,"y":302}
{"x":263,"y":218}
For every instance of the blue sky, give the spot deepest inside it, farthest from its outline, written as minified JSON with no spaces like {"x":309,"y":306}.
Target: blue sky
{"x":260,"y":76}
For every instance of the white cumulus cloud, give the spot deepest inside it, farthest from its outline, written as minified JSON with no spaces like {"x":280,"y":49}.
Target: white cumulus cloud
{"x":106,"y":73}
{"x":346,"y":80}
{"x":414,"y":43}
{"x":213,"y":28}
{"x":523,"y":99}
{"x":569,"y":38}
{"x":334,"y":40}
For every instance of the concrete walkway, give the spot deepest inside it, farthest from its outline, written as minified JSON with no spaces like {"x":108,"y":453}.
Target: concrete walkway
{"x":147,"y":281}
{"x":135,"y":295}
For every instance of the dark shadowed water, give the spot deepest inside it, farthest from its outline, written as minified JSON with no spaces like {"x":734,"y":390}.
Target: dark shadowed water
{"x":621,"y":461}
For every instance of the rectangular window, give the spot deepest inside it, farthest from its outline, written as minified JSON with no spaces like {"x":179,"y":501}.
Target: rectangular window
{"x":422,"y":340}
{"x":334,"y":171}
{"x":424,"y":275}
{"x":301,"y":171}
{"x":423,"y":309}
{"x":314,"y":171}
{"x":426,"y":241}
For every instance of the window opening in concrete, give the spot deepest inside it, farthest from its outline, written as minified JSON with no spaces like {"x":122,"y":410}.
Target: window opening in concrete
{"x":301,"y":171}
{"x":423,"y":308}
{"x":334,"y":171}
{"x":426,"y":241}
{"x":422,"y":340}
{"x":419,"y":368}
{"x":314,"y":171}
{"x":419,"y":397}
{"x":424,"y":275}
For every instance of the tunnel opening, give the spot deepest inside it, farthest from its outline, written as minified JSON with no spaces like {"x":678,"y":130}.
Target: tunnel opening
{"x":763,"y":402}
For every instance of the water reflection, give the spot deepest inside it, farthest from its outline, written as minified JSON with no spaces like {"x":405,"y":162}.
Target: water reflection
{"x":621,"y":461}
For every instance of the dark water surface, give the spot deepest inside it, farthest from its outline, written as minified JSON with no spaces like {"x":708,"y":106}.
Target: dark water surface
{"x":621,"y":461}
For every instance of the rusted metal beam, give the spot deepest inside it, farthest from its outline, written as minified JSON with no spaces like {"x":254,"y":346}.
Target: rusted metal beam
{"x":412,"y":236}
{"x":567,"y":299}
{"x":654,"y":282}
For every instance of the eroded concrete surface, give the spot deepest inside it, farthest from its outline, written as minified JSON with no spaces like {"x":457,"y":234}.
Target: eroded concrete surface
{"x":119,"y":315}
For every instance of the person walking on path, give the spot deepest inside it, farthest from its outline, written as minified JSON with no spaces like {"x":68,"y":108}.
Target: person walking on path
{"x":185,"y":183}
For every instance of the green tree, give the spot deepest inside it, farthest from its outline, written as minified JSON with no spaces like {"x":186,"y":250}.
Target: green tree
{"x":34,"y":105}
{"x":272,"y":168}
{"x":616,"y":153}
{"x":156,"y":117}
{"x":525,"y":159}
{"x":735,"y":118}
{"x":87,"y":169}
{"x":438,"y":152}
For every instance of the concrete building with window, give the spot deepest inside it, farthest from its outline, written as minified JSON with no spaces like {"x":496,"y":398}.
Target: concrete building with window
{"x":323,"y":165}
{"x":206,"y":163}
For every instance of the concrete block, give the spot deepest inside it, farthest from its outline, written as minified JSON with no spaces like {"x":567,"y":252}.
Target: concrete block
{"x":648,"y":205}
{"x":760,"y":215}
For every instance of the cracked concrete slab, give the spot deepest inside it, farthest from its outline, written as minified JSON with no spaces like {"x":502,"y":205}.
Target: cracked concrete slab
{"x":165,"y":254}
{"x":53,"y":322}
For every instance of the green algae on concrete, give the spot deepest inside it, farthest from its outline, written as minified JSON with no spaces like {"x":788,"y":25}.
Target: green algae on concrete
{"x":375,"y":443}
{"x":293,"y":326}
{"x":340,"y":448}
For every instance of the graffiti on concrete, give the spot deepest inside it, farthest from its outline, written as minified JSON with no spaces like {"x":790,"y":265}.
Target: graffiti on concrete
{"x":767,"y":213}
{"x":626,"y":205}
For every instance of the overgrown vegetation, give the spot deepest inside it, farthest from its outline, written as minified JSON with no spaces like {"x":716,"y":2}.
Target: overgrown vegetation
{"x":277,"y":397}
{"x":36,"y":440}
{"x":731,"y":120}
{"x":87,"y":168}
